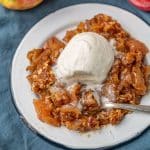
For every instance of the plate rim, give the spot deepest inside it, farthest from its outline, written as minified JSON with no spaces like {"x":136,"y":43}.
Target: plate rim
{"x":21,"y":116}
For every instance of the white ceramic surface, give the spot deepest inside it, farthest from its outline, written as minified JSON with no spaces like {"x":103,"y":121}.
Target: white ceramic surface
{"x":56,"y":24}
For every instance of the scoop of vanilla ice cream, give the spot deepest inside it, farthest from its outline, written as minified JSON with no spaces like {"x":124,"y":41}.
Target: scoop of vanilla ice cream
{"x":87,"y":57}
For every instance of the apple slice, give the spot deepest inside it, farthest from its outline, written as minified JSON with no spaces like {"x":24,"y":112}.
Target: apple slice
{"x":141,"y":4}
{"x":20,"y":4}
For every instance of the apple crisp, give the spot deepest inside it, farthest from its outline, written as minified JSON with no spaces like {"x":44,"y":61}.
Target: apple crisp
{"x":77,"y":108}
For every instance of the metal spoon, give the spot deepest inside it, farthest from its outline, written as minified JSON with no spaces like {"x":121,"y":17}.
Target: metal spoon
{"x":130,"y":107}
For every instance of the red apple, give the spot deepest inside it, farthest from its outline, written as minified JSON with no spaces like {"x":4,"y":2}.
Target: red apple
{"x":20,"y":4}
{"x":141,"y":4}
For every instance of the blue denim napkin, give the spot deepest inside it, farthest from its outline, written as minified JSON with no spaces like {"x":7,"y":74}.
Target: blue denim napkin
{"x":14,"y":135}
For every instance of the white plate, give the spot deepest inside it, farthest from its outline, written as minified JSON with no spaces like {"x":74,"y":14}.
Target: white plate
{"x":56,"y":24}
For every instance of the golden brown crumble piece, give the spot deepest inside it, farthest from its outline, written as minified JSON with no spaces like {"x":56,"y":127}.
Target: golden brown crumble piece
{"x":69,"y":114}
{"x":76,"y":92}
{"x":39,"y":58}
{"x":80,"y":28}
{"x":55,"y":46}
{"x":138,"y":80}
{"x":44,"y":112}
{"x":115,"y":116}
{"x":60,"y":98}
{"x":90,"y":103}
{"x":41,"y":79}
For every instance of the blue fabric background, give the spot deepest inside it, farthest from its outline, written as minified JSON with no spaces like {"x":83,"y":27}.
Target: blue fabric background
{"x":14,"y":135}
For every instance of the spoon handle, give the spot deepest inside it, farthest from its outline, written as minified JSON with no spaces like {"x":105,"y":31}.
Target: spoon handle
{"x":128,"y":107}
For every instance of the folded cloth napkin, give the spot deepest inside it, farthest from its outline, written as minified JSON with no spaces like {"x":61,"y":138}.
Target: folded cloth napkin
{"x":14,"y":135}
